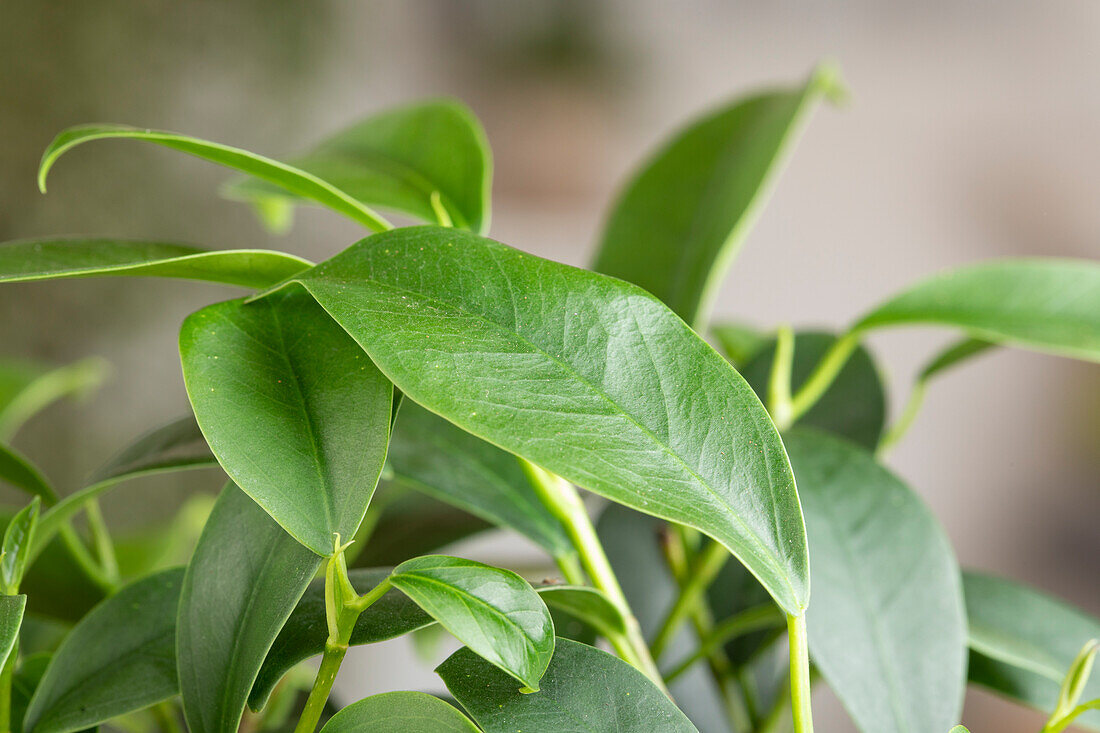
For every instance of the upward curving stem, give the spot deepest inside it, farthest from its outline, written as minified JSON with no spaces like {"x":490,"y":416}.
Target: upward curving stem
{"x":821,"y":378}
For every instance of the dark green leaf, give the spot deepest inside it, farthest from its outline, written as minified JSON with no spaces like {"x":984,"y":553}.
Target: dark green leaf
{"x":582,"y":374}
{"x":244,"y":579}
{"x":287,"y":177}
{"x":739,"y":342}
{"x":17,"y":547}
{"x":887,"y":627}
{"x":677,"y":226}
{"x":17,"y":470}
{"x":399,"y":712}
{"x":26,"y":388}
{"x":118,"y":659}
{"x":296,"y":413}
{"x":11,"y":618}
{"x":585,"y":690}
{"x":397,"y":160}
{"x":587,"y":604}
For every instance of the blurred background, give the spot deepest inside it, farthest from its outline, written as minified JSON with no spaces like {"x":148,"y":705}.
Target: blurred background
{"x":970,"y":133}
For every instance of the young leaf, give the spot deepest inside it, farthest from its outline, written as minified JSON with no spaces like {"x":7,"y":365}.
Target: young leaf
{"x":287,"y":177}
{"x":296,"y":413}
{"x":679,"y":223}
{"x":53,"y":259}
{"x":244,"y":579}
{"x":584,"y":689}
{"x":494,"y":612}
{"x":118,"y":659}
{"x":887,"y":628}
{"x":400,"y":712}
{"x":18,"y":541}
{"x":11,"y":619}
{"x":1048,"y":305}
{"x":25,"y":388}
{"x":582,"y":374}
{"x":397,"y":160}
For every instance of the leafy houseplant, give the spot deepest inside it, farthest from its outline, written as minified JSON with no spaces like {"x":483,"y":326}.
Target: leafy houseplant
{"x":482,"y":386}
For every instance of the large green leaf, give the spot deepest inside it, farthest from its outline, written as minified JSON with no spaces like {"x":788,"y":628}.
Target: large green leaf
{"x":585,"y":690}
{"x":1022,"y":642}
{"x":244,"y":579}
{"x":287,"y":177}
{"x":26,"y":388}
{"x":53,"y":259}
{"x":429,"y":454}
{"x":297,"y":414}
{"x":119,"y":658}
{"x":11,"y":618}
{"x":1044,"y":304}
{"x":396,"y":160}
{"x":582,"y":374}
{"x":399,"y":712}
{"x":887,"y":627}
{"x":493,"y":611}
{"x":679,"y":223}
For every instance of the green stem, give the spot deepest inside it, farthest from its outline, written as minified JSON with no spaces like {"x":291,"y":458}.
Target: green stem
{"x":779,"y":383}
{"x":6,"y":677}
{"x":101,"y":537}
{"x":800,"y":674}
{"x":322,"y":686}
{"x":757,"y":618}
{"x":1059,"y":725}
{"x":571,"y":569}
{"x":821,"y":377}
{"x":709,"y":564}
{"x":898,"y":430}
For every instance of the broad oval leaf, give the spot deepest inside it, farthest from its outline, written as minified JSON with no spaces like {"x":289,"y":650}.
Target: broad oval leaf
{"x":493,"y":611}
{"x":11,"y":619}
{"x":53,"y":259}
{"x":121,"y":657}
{"x":1048,"y":305}
{"x":585,"y":690}
{"x":677,"y":226}
{"x":288,"y":177}
{"x":397,"y":160}
{"x":245,"y":578}
{"x":399,"y":712}
{"x":1022,"y":641}
{"x":582,"y":374}
{"x":26,"y":388}
{"x":887,"y":627}
{"x":297,"y":414}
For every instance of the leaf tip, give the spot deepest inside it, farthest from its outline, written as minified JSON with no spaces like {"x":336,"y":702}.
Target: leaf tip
{"x":828,"y":81}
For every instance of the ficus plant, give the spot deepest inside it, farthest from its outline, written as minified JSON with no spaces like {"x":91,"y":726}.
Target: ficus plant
{"x":483,"y":387}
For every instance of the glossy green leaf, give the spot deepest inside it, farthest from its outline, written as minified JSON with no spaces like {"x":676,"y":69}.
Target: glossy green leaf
{"x":53,"y":259}
{"x":429,"y":454}
{"x":1022,"y":642}
{"x":677,"y":226}
{"x":26,"y":388}
{"x":853,"y":407}
{"x":1048,"y":305}
{"x":245,"y":578}
{"x":493,"y":611}
{"x":297,"y":414}
{"x":586,"y":604}
{"x":738,"y":342}
{"x":17,"y":546}
{"x":582,"y":374}
{"x":585,"y":690}
{"x":17,"y":470}
{"x":396,"y":160}
{"x":887,"y":628}
{"x":11,"y":619}
{"x":287,"y":177}
{"x":399,"y":712}
{"x":118,"y":659}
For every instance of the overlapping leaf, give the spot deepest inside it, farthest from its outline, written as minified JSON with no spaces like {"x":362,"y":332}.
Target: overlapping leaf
{"x":11,"y":618}
{"x":400,"y":712}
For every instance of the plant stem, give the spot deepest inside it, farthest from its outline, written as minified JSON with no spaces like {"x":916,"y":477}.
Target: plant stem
{"x":779,"y":383}
{"x":757,"y":618}
{"x":898,"y":430}
{"x":800,"y":674}
{"x":822,"y":376}
{"x":83,"y":558}
{"x":322,"y":686}
{"x":101,"y":537}
{"x":571,"y":569}
{"x":6,"y":676}
{"x":706,"y":568}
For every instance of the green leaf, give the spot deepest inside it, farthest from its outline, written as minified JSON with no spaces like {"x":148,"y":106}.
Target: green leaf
{"x":18,"y":541}
{"x":493,"y":611}
{"x":1022,"y":641}
{"x":589,"y":605}
{"x":952,"y":356}
{"x":244,"y":579}
{"x":296,"y":413}
{"x":26,"y":388}
{"x":582,"y":374}
{"x":399,"y":712}
{"x":53,"y":259}
{"x":853,"y":407}
{"x":959,"y":729}
{"x":887,"y":628}
{"x":23,"y":685}
{"x":396,"y":160}
{"x":287,"y":177}
{"x":17,"y":470}
{"x":585,"y":690}
{"x":677,"y":226}
{"x":1050,"y":305}
{"x":431,"y":455}
{"x":11,"y":618}
{"x":738,"y":342}
{"x":118,"y":659}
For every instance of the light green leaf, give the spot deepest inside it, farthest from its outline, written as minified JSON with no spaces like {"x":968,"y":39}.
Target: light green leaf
{"x":959,"y":729}
{"x":677,"y":226}
{"x":585,"y":690}
{"x":18,"y":541}
{"x":1050,"y":305}
{"x":17,"y":470}
{"x":53,"y":259}
{"x":739,"y":342}
{"x":582,"y":374}
{"x":494,"y":612}
{"x":887,"y":628}
{"x":296,"y":413}
{"x":396,"y":160}
{"x":11,"y":619}
{"x":287,"y":177}
{"x":26,"y":388}
{"x":118,"y":659}
{"x":245,"y":578}
{"x":399,"y":712}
